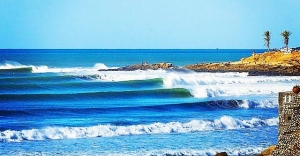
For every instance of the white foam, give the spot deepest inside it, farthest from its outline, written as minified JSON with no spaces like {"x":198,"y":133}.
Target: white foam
{"x":46,"y":69}
{"x":223,"y":123}
{"x":204,"y":85}
{"x":204,"y":152}
{"x":258,"y":104}
{"x":11,"y":65}
{"x":193,"y":79}
{"x":98,"y":66}
{"x":252,"y":150}
{"x":236,"y":90}
{"x":130,"y":75}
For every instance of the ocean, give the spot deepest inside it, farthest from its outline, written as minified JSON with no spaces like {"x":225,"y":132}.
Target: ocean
{"x":56,"y":102}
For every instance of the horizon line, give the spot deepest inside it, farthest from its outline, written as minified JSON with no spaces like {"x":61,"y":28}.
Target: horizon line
{"x":131,"y":49}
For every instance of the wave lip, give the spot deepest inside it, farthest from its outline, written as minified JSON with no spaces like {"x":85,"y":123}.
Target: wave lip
{"x":223,"y":123}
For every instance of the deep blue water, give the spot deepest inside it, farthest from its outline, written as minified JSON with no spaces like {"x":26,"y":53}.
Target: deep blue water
{"x":57,"y":102}
{"x":88,"y":58}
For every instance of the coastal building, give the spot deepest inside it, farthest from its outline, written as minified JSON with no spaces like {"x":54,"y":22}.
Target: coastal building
{"x":296,"y":49}
{"x":286,"y":51}
{"x":289,"y":125}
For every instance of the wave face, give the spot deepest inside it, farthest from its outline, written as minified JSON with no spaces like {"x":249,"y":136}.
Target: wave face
{"x":224,"y":123}
{"x":194,"y":106}
{"x":158,"y":93}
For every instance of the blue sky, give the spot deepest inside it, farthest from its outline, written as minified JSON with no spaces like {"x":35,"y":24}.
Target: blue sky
{"x":147,"y":24}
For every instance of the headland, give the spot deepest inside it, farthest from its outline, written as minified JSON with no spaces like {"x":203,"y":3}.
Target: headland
{"x":274,"y":63}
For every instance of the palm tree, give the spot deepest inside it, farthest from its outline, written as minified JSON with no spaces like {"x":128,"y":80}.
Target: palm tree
{"x":286,"y":36}
{"x":267,"y":39}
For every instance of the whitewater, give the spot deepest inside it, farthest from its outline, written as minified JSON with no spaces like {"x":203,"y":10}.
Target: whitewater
{"x":51,"y":106}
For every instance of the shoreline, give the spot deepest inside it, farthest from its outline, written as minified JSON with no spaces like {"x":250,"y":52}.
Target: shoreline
{"x":253,"y":70}
{"x":264,"y":64}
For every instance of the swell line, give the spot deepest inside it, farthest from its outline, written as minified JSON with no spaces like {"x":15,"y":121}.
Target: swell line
{"x":198,"y":106}
{"x":223,"y":123}
{"x":36,"y":79}
{"x":158,"y":93}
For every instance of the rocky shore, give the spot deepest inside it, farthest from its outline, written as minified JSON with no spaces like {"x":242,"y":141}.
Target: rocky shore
{"x":144,"y":66}
{"x":253,"y":70}
{"x":268,"y":63}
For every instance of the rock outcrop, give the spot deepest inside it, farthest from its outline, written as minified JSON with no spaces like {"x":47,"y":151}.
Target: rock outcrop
{"x":269,"y":63}
{"x":267,"y":152}
{"x":144,"y":66}
{"x":253,"y":70}
{"x":222,"y":154}
{"x":273,"y":58}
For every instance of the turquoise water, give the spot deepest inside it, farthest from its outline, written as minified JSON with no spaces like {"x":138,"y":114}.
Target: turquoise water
{"x":57,"y":102}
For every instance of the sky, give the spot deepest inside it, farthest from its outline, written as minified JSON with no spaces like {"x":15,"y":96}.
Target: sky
{"x":147,"y":24}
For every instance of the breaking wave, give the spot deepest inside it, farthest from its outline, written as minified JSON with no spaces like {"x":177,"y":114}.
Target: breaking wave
{"x":204,"y":85}
{"x":200,"y":79}
{"x":11,"y":66}
{"x":223,"y":123}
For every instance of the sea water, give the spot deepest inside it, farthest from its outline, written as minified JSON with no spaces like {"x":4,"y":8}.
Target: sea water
{"x":56,"y":102}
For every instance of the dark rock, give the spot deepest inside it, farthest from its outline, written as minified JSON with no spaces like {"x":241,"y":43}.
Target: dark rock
{"x":253,"y":70}
{"x":144,"y":66}
{"x":222,"y":154}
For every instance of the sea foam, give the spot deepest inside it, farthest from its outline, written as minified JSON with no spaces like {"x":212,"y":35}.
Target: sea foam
{"x":237,"y":151}
{"x":11,"y":65}
{"x":223,"y":123}
{"x":161,"y":152}
{"x":46,"y":69}
{"x":206,"y":152}
{"x":204,"y":85}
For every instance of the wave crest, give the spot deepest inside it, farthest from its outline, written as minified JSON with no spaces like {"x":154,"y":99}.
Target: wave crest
{"x":204,"y":85}
{"x":223,"y":123}
{"x":12,"y":65}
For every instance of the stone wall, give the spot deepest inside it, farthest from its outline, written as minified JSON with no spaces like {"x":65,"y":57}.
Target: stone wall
{"x":289,"y":125}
